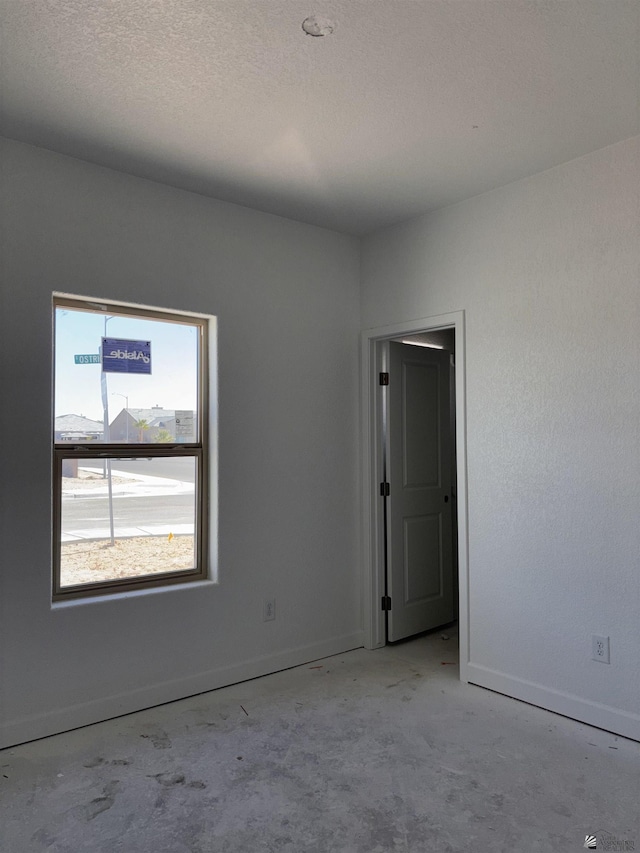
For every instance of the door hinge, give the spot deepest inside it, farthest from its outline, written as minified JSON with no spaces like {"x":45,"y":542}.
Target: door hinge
{"x":386,"y":602}
{"x":384,"y":490}
{"x":384,"y":378}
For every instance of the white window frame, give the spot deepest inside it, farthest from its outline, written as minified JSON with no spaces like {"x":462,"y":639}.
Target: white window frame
{"x":77,"y":450}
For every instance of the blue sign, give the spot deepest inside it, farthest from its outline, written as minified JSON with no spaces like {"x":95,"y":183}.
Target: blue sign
{"x":123,"y":356}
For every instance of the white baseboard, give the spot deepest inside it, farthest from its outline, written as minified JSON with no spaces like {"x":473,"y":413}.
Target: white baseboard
{"x":593,"y":713}
{"x":106,"y":707}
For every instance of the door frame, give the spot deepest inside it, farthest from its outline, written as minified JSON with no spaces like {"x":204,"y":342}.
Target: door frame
{"x":373,"y":564}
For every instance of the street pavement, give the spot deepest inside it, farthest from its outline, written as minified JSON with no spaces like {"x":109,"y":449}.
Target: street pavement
{"x":143,"y":505}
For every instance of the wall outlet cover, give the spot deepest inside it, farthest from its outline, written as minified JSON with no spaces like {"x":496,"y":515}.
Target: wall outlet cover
{"x":600,"y":648}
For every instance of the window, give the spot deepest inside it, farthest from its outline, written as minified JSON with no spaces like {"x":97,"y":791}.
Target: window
{"x":130,"y":448}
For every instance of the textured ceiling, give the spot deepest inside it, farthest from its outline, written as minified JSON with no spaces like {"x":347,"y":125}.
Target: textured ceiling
{"x":408,"y":106}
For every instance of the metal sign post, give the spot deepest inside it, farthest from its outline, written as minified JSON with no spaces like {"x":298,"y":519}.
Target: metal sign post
{"x":105,"y":409}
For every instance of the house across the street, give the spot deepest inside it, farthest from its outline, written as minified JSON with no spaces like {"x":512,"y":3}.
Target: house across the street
{"x":77,"y":428}
{"x":144,"y":425}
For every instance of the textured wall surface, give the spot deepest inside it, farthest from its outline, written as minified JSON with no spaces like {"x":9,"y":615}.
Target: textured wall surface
{"x":286,"y":298}
{"x":548,"y":272}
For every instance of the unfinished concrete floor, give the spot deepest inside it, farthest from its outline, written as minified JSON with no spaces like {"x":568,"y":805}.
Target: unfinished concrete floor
{"x":364,"y":752}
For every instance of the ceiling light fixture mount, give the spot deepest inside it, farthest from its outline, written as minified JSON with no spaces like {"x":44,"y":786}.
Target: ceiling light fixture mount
{"x":317,"y":26}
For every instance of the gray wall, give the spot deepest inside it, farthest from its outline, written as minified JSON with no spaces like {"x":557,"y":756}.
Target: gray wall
{"x":286,"y":297}
{"x":548,"y":272}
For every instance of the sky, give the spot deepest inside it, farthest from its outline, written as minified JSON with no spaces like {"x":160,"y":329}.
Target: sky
{"x":172,"y":383}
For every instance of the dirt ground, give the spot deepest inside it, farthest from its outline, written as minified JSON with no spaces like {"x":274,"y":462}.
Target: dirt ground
{"x":90,"y":562}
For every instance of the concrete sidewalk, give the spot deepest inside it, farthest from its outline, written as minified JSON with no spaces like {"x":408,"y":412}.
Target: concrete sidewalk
{"x":140,"y":485}
{"x":127,"y":532}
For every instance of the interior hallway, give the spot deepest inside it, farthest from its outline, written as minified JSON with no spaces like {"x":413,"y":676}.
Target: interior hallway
{"x":365,"y":752}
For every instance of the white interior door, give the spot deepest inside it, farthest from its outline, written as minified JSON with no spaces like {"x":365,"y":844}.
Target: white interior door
{"x":419,"y":505}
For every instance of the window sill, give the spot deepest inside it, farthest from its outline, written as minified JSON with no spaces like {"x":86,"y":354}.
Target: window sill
{"x":133,"y":593}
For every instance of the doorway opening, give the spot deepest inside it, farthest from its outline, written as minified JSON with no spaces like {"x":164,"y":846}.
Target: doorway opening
{"x":417,"y":407}
{"x":414,"y":484}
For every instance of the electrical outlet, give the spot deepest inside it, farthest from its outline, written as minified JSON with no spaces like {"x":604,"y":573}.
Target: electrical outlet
{"x":269,"y":609}
{"x":600,"y":649}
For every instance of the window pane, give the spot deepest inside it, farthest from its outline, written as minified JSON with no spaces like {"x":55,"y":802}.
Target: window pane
{"x":153,"y":507}
{"x":148,"y":389}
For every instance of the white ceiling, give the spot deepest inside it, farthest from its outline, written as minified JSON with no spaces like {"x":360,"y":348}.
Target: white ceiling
{"x":410,"y":104}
